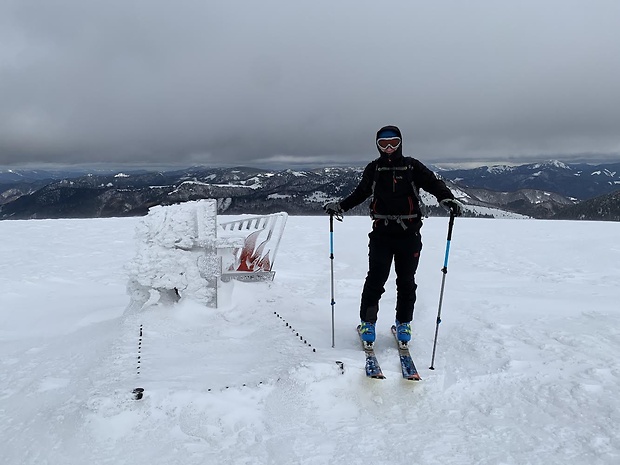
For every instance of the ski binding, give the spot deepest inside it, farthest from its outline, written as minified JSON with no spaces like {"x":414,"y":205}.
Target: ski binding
{"x":373,"y":370}
{"x":407,"y":366}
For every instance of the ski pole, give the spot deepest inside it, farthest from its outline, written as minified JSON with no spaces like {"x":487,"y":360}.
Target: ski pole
{"x":444,"y":270}
{"x":331,"y":257}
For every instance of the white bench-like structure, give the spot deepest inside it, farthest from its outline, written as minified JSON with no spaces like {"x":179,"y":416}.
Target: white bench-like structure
{"x":182,"y":251}
{"x":251,"y":257}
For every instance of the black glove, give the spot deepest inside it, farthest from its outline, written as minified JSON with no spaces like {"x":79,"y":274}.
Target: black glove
{"x":453,"y":206}
{"x":333,"y":208}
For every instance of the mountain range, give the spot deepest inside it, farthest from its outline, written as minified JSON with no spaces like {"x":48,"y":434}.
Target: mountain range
{"x":577,"y":181}
{"x":542,"y":190}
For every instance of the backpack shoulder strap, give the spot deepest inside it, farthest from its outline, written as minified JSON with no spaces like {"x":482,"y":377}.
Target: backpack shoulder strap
{"x":416,"y":191}
{"x":375,"y":175}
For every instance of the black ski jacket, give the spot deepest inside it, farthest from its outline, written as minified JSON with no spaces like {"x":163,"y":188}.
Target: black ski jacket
{"x":394,"y":182}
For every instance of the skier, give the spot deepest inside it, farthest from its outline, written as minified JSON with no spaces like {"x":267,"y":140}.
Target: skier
{"x":393,"y":181}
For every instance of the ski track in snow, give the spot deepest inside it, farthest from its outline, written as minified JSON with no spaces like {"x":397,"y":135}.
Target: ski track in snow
{"x":527,"y":367}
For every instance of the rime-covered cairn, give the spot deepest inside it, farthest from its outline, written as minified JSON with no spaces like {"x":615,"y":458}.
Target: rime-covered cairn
{"x":176,"y":254}
{"x":182,"y":252}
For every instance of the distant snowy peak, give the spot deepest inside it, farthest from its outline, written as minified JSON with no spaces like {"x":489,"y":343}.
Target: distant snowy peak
{"x":550,"y":164}
{"x":611,"y":174}
{"x":12,"y":175}
{"x":297,"y":173}
{"x":499,"y":169}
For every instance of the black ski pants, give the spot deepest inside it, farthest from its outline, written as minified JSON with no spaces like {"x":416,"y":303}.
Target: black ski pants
{"x":391,"y":242}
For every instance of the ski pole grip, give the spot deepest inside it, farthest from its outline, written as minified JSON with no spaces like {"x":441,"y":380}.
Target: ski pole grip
{"x":448,"y":242}
{"x":450,"y":226}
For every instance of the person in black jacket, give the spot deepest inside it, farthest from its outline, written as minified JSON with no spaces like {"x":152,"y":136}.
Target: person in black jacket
{"x":393,"y":181}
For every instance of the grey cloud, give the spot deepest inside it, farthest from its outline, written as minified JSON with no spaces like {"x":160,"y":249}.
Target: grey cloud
{"x":245,"y":81}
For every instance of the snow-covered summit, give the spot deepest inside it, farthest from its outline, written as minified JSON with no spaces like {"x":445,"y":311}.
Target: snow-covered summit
{"x":550,"y":163}
{"x":526,"y":371}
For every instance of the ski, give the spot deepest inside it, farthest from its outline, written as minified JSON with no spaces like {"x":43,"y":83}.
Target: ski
{"x":406,"y":362}
{"x":373,"y":370}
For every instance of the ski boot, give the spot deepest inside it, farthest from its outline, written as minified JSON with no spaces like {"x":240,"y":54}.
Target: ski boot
{"x":367,"y":332}
{"x":403,"y":332}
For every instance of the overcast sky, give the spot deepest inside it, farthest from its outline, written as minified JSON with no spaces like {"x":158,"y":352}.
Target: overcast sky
{"x":257,"y":81}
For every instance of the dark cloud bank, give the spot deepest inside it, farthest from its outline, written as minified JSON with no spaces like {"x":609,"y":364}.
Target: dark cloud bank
{"x":245,"y":82}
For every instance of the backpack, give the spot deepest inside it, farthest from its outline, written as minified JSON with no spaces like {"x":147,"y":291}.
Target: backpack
{"x":408,"y":171}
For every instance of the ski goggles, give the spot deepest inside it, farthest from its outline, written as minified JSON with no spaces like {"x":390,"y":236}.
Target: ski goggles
{"x":386,"y":142}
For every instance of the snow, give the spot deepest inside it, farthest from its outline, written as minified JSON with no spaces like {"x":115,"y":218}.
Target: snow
{"x":176,"y":249}
{"x":199,"y":183}
{"x":499,"y":169}
{"x":320,"y":197}
{"x":466,"y":200}
{"x":553,"y":163}
{"x":492,"y":212}
{"x":527,"y":365}
{"x":298,"y":174}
